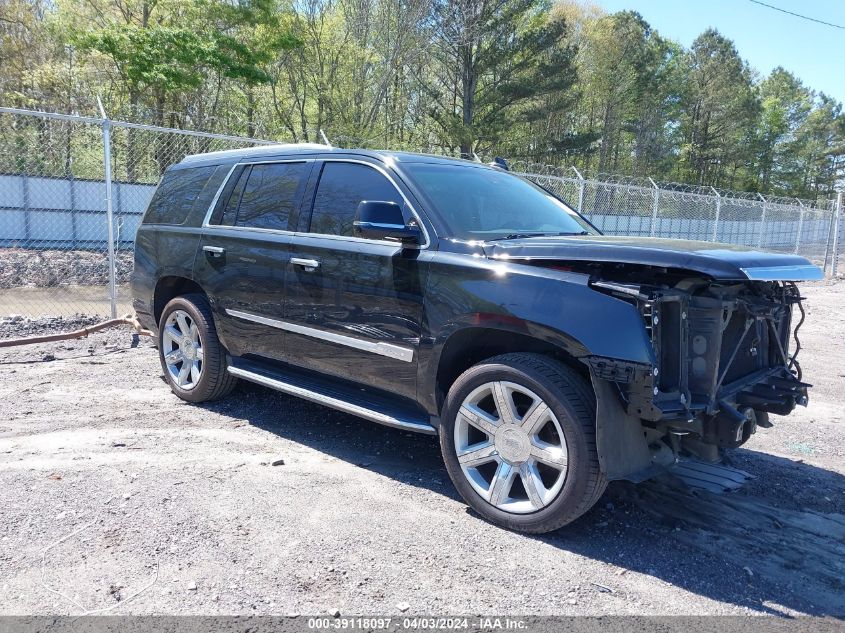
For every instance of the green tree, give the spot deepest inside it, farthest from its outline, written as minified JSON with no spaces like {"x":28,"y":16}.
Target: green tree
{"x":821,"y":149}
{"x":785,"y":107}
{"x":494,"y":59}
{"x":719,"y":112}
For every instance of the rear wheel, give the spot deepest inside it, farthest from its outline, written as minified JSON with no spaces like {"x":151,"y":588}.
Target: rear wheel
{"x":518,"y":438}
{"x":192,"y":357}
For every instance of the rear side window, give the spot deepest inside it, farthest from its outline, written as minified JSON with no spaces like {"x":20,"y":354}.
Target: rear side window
{"x":271,"y":195}
{"x":341,"y":189}
{"x":230,"y":211}
{"x":176,"y":195}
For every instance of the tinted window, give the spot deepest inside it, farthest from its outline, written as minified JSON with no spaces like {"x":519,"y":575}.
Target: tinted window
{"x":478,"y":203}
{"x":341,"y":189}
{"x":271,"y":194}
{"x":176,"y":195}
{"x":230,"y":211}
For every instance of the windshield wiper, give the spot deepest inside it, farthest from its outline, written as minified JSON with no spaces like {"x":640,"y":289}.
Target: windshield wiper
{"x":519,"y":236}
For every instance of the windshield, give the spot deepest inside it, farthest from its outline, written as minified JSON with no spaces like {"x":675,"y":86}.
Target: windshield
{"x":488,"y":204}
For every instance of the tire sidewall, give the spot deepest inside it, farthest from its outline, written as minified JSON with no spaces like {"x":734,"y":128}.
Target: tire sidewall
{"x":575,"y":485}
{"x":199,"y":392}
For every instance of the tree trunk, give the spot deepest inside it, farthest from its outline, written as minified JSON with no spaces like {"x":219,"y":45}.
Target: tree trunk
{"x":250,"y":112}
{"x":469,"y":81}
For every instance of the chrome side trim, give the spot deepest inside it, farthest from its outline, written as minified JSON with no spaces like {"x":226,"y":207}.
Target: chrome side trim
{"x":800,"y":272}
{"x":376,"y":347}
{"x":330,"y":401}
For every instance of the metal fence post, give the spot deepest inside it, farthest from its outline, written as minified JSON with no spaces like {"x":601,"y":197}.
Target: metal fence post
{"x":762,"y":220}
{"x":655,"y":207}
{"x":109,"y":210}
{"x":800,"y":225}
{"x":718,"y":213}
{"x":580,"y":190}
{"x":831,"y":217}
{"x":836,"y":219}
{"x":27,"y":220}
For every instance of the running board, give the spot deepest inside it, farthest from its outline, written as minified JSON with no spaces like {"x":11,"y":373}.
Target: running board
{"x":708,"y":476}
{"x":331,"y":395}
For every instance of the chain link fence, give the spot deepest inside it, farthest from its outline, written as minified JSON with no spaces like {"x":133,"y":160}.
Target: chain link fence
{"x":57,"y":204}
{"x":68,"y":216}
{"x":670,"y":210}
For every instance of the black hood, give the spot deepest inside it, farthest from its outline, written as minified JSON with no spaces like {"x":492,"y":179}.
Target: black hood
{"x":725,"y":262}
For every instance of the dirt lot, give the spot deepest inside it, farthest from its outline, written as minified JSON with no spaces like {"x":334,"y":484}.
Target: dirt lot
{"x":116,"y":494}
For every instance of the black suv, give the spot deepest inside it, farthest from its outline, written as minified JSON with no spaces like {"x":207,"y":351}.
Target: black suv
{"x":454,"y":298}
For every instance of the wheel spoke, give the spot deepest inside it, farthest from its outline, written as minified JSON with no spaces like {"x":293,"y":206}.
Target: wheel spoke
{"x":195,"y":371}
{"x":199,"y":354}
{"x":183,"y":323}
{"x":479,"y":419}
{"x":173,"y":357}
{"x":554,"y":456}
{"x":195,"y":332}
{"x":477,"y":456}
{"x":535,"y":418}
{"x":172,"y":333}
{"x":502,"y":483}
{"x":504,"y":403}
{"x":184,"y":373}
{"x":532,"y":483}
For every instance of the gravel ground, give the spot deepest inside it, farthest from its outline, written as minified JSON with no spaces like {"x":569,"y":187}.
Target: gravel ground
{"x":265,"y":504}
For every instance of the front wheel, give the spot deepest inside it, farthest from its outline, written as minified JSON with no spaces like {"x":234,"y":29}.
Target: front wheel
{"x":192,"y":357}
{"x":518,"y":438}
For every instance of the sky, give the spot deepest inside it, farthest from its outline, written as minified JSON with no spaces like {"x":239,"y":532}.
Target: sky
{"x":764,"y":37}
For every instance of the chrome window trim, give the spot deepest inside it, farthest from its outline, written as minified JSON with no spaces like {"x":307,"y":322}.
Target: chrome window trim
{"x":249,"y":229}
{"x":796,"y":272}
{"x":348,"y":238}
{"x":216,"y":198}
{"x":390,"y":350}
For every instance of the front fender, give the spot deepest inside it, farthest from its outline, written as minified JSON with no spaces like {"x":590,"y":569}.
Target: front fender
{"x":551,"y":305}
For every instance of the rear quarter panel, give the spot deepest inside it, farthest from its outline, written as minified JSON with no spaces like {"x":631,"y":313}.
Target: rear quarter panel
{"x":163,"y":250}
{"x":160,"y":251}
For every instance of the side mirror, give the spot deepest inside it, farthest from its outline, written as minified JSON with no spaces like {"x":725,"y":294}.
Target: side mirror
{"x":383,"y":220}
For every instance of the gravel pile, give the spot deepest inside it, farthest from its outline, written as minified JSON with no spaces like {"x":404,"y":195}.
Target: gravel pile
{"x":50,"y":268}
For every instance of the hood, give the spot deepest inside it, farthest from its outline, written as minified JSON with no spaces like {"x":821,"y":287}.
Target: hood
{"x":726,"y":262}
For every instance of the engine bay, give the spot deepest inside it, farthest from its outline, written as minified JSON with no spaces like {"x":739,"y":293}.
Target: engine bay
{"x":725,"y":356}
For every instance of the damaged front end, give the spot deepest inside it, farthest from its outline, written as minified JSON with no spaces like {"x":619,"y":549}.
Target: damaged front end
{"x":722,"y":363}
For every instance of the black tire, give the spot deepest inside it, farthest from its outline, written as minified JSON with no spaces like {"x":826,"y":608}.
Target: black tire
{"x":215,"y":381}
{"x":572,"y":401}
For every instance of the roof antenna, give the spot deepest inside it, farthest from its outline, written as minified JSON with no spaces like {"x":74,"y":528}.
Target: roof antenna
{"x":325,"y":138}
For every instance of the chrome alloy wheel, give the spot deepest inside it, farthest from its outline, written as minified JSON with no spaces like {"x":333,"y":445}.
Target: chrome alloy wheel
{"x":511,"y":447}
{"x":182,"y":349}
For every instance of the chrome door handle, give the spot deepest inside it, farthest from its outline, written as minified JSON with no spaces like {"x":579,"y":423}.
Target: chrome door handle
{"x":214,"y":251}
{"x":307,"y":264}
